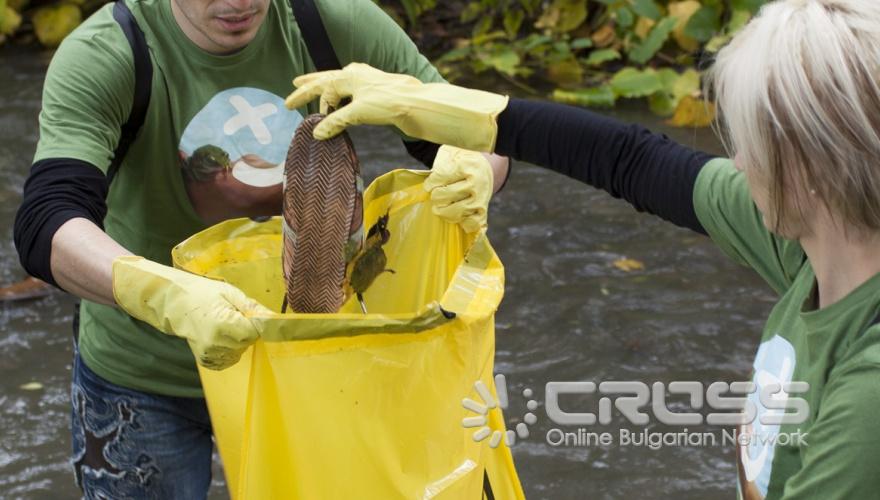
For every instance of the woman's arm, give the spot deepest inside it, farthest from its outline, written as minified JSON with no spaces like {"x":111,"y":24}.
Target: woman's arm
{"x":650,"y":171}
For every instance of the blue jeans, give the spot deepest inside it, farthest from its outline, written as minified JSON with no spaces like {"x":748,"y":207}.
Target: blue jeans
{"x":130,"y":444}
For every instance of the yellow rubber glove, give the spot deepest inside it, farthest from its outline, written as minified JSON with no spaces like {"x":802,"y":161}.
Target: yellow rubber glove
{"x":437,"y":112}
{"x":461,"y":187}
{"x":212,"y":316}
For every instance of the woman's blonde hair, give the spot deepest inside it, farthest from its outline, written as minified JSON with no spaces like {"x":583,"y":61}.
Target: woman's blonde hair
{"x":800,"y":102}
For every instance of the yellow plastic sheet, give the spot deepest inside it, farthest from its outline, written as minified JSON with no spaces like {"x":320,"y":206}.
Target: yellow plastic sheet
{"x":349,"y":405}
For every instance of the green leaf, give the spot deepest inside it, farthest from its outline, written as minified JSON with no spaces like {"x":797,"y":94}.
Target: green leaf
{"x":530,"y":5}
{"x":482,"y":27}
{"x":644,"y":51}
{"x":667,"y":77}
{"x":675,"y":88}
{"x":471,"y":12}
{"x":504,"y":60}
{"x":455,"y":55}
{"x":513,"y":21}
{"x":704,"y":24}
{"x":686,"y":84}
{"x":661,"y":104}
{"x":414,"y":8}
{"x":631,"y":82}
{"x":566,"y":73}
{"x":600,"y":56}
{"x":738,"y":20}
{"x":563,"y":15}
{"x":625,"y":17}
{"x":751,"y":6}
{"x":647,"y":8}
{"x":601,"y":96}
{"x":581,"y":43}
{"x":561,"y":48}
{"x":533,"y":41}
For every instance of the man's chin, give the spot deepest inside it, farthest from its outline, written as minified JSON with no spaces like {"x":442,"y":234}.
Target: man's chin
{"x":230,"y":43}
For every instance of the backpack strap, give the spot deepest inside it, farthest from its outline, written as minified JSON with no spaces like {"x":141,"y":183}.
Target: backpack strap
{"x":307,"y":17}
{"x":143,"y":80}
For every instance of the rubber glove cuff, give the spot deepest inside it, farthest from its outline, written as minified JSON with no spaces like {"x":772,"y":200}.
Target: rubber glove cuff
{"x":214,"y":317}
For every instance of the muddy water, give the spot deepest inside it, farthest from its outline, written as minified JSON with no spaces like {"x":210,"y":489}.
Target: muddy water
{"x":568,"y":315}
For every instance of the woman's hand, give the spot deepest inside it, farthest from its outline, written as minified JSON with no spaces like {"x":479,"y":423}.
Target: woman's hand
{"x":436,"y":112}
{"x":461,"y":184}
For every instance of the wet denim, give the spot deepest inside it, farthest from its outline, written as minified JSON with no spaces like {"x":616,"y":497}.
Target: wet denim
{"x":129,"y":444}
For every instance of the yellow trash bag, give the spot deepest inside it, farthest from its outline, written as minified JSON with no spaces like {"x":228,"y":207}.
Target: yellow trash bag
{"x":347,"y":405}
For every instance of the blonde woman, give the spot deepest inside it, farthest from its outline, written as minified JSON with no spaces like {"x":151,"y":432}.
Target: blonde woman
{"x":799,"y":204}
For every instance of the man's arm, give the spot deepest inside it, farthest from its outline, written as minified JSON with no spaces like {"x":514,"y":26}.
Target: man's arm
{"x":87,"y":96}
{"x":82,"y":260}
{"x":57,"y":228}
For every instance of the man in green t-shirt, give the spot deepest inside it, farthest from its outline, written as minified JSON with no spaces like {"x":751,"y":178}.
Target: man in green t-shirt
{"x":211,"y":147}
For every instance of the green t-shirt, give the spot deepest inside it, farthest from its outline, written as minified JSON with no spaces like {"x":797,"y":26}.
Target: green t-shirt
{"x":212,"y":146}
{"x":835,"y":349}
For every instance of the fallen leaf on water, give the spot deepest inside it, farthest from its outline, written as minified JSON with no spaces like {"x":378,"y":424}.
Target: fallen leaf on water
{"x":31,"y":386}
{"x":628,"y":265}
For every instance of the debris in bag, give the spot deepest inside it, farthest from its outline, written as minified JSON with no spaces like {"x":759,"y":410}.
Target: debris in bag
{"x":370,"y":262}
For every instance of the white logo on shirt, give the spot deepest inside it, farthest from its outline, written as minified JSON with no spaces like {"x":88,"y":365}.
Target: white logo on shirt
{"x":251,"y":117}
{"x":774,"y":364}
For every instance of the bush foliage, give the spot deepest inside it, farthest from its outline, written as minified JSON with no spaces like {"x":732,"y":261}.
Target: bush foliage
{"x":584,"y":52}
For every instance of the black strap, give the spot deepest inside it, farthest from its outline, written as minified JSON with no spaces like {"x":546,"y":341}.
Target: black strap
{"x":143,"y":80}
{"x":307,"y":17}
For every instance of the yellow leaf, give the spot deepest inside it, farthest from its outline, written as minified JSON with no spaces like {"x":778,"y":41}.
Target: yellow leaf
{"x":692,"y":112}
{"x":603,"y":37}
{"x":643,"y":27}
{"x":628,"y":265}
{"x":9,"y":21}
{"x":53,"y":23}
{"x":683,"y":11}
{"x":31,"y":386}
{"x":566,"y":73}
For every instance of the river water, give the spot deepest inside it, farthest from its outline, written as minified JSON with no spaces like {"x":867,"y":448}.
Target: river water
{"x":568,"y":315}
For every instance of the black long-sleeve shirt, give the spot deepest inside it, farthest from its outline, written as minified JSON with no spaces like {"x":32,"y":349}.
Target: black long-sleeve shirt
{"x":650,"y":171}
